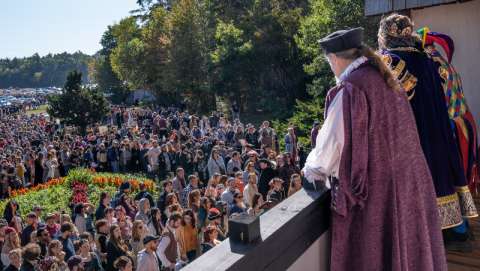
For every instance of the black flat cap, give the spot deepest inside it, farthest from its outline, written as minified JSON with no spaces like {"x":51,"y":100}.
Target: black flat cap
{"x":150,"y":238}
{"x":342,"y":40}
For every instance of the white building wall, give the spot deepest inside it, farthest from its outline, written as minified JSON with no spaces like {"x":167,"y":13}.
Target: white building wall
{"x":316,"y":257}
{"x":461,"y":21}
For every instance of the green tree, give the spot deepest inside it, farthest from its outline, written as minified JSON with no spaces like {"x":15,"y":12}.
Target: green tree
{"x":156,"y":40}
{"x":76,"y":105}
{"x":187,"y":67}
{"x":231,"y":55}
{"x":102,"y":73}
{"x":325,"y":17}
{"x":127,"y":58}
{"x":271,"y":75}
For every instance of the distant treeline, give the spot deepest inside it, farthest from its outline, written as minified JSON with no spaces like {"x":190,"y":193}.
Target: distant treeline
{"x":47,"y":71}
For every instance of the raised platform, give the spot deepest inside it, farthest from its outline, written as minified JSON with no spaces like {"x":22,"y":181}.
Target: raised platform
{"x":468,"y":261}
{"x":294,"y":233}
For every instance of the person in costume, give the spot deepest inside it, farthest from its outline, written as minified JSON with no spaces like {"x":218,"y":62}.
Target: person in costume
{"x":461,"y":119}
{"x":419,"y":76}
{"x":383,"y":200}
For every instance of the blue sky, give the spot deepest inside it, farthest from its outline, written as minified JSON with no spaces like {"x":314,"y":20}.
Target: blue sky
{"x":55,"y":26}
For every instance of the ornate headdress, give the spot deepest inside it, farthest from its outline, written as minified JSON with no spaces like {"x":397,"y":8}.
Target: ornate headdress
{"x":397,"y":31}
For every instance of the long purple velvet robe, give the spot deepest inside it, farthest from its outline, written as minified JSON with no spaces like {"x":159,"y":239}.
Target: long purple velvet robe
{"x":384,"y":206}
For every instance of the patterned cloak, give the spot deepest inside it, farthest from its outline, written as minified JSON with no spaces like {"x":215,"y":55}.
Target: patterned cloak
{"x":420,"y":78}
{"x":461,"y":119}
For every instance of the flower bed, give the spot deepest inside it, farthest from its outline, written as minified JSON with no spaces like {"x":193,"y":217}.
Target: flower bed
{"x":23,"y":191}
{"x":80,"y":185}
{"x":79,"y":194}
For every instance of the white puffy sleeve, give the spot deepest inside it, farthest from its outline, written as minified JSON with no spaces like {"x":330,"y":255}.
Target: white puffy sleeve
{"x":324,"y":159}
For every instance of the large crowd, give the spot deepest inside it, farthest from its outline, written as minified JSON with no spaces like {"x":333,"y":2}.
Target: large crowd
{"x":207,"y":169}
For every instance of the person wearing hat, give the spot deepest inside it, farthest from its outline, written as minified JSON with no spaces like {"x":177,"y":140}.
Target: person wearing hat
{"x":461,"y":118}
{"x":147,"y":259}
{"x":425,"y":83}
{"x":267,"y":173}
{"x":214,"y":214}
{"x":459,"y":113}
{"x":369,"y":153}
{"x":215,"y":219}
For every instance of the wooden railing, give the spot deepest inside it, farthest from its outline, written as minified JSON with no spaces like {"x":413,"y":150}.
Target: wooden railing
{"x":287,"y":231}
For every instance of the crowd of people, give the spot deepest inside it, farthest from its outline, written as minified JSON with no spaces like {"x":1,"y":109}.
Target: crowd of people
{"x":207,"y":169}
{"x":154,"y":143}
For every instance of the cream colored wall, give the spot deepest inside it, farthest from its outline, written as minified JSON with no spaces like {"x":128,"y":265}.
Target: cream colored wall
{"x":461,"y":21}
{"x":316,"y":257}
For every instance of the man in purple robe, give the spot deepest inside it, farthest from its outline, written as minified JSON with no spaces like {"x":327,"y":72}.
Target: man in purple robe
{"x":368,"y":151}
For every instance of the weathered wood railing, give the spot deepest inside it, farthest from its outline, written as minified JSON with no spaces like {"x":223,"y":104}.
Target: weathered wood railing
{"x":287,"y":233}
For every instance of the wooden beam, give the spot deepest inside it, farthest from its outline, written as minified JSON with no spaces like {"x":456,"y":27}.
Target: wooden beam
{"x":374,"y":7}
{"x":399,"y":5}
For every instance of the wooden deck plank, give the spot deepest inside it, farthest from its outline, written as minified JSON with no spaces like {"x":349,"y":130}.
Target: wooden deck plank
{"x":468,"y":261}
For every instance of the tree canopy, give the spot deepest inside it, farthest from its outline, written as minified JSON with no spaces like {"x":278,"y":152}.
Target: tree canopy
{"x":262,"y":54}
